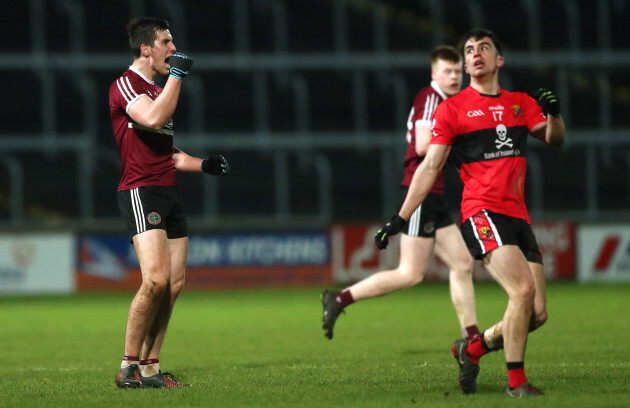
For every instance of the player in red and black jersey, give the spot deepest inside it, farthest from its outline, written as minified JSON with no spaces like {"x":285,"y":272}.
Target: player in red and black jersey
{"x":431,"y":228}
{"x":148,"y":195}
{"x":485,"y":129}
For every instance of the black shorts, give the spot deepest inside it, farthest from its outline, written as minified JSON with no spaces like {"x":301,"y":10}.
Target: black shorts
{"x":432,"y":214}
{"x":488,"y":230}
{"x":153,"y":207}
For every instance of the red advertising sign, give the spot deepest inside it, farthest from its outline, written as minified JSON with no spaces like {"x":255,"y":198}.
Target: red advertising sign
{"x":355,"y":256}
{"x":556,"y":240}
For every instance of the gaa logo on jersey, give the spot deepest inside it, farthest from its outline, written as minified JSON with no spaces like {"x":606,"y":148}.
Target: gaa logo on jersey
{"x":154,"y":218}
{"x":485,"y":232}
{"x":474,"y":113}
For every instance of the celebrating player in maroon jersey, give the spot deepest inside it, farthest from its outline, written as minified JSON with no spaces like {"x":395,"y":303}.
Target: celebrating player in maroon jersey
{"x":431,"y":228}
{"x":484,"y":129}
{"x":148,"y":195}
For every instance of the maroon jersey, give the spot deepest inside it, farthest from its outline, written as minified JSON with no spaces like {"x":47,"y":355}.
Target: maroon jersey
{"x":146,"y":155}
{"x":423,"y":107}
{"x":488,"y":134}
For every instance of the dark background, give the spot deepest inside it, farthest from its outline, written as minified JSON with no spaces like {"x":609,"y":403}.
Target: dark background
{"x":307,"y":99}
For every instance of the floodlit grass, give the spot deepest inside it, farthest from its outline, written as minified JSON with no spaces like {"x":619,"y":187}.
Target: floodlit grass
{"x":265,"y":348}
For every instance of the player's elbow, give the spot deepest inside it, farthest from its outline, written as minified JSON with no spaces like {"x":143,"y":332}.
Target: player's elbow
{"x":422,"y":150}
{"x":155,"y":124}
{"x":155,"y":120}
{"x":435,"y":165}
{"x":556,"y":141}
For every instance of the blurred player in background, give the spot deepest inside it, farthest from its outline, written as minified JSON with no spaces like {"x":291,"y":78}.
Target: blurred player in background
{"x":431,"y":228}
{"x":148,"y":194}
{"x":484,"y":129}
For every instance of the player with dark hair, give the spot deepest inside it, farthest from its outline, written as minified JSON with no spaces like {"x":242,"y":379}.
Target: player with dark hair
{"x":484,"y":129}
{"x":148,"y":194}
{"x":431,"y":228}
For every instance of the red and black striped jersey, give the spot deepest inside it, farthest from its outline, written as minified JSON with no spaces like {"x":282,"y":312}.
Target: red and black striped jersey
{"x":423,"y":107}
{"x":146,"y":155}
{"x":488,"y":134}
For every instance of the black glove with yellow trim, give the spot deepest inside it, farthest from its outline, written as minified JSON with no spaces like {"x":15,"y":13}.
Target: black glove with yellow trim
{"x":548,"y":101}
{"x":391,"y":228}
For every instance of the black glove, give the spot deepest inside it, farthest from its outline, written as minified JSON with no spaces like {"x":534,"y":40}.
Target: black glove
{"x":217,"y":165}
{"x":548,"y":101}
{"x":180,"y":65}
{"x":391,"y":228}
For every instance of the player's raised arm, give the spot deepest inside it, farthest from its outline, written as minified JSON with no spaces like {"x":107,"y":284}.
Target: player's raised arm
{"x":551,"y":132}
{"x":155,"y":113}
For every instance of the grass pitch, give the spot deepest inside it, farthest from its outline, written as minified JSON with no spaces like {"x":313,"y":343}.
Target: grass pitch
{"x":265,"y":348}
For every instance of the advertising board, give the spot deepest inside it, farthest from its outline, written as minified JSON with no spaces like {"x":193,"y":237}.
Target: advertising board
{"x":37,"y":263}
{"x":214,"y":260}
{"x":355,"y":256}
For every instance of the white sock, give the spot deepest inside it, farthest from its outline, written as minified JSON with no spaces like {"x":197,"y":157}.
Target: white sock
{"x":127,"y":362}
{"x":150,"y":369}
{"x":492,"y":340}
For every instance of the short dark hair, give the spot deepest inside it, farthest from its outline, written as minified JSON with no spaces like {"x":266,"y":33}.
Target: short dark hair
{"x":144,"y":31}
{"x":446,"y":53}
{"x":478,"y":34}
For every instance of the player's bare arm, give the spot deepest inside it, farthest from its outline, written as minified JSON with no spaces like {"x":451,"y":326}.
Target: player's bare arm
{"x":424,"y":177}
{"x":185,"y":162}
{"x":155,"y":113}
{"x":550,"y":132}
{"x":423,"y":137}
{"x":215,"y":164}
{"x":162,"y":58}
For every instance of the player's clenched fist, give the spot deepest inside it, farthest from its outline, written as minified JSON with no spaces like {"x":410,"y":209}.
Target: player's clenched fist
{"x":217,"y":165}
{"x":180,"y":65}
{"x":548,"y":101}
{"x":391,"y":228}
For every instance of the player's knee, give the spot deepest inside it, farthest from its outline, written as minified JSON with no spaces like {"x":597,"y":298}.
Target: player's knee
{"x":524,"y":294}
{"x":410,"y":278}
{"x":155,"y":287}
{"x":176,"y":287}
{"x":462,"y":268}
{"x":538,"y":319}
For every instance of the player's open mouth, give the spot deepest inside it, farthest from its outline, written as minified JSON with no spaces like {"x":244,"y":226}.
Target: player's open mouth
{"x":167,"y":60}
{"x":478,"y":64}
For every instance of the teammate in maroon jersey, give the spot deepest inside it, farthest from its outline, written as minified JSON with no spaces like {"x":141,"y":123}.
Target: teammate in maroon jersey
{"x":431,"y":228}
{"x":148,"y":195}
{"x":485,"y":129}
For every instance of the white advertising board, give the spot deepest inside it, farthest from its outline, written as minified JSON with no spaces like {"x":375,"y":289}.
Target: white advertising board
{"x":604,"y":253}
{"x":37,"y":263}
